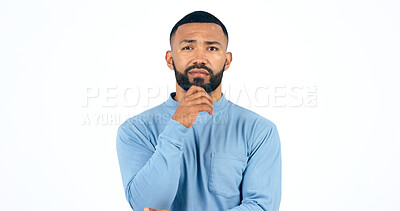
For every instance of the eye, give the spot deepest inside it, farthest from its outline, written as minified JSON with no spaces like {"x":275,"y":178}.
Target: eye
{"x":186,"y":48}
{"x":212,"y":48}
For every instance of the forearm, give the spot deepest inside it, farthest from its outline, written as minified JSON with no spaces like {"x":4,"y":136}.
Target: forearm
{"x":250,"y":206}
{"x":155,"y":184}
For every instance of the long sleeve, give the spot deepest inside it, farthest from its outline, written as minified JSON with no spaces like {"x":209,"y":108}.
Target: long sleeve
{"x":261,"y":184}
{"x":150,"y":174}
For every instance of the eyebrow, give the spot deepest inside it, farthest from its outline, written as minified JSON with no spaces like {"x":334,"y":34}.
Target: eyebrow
{"x":212,"y":43}
{"x":207,"y":42}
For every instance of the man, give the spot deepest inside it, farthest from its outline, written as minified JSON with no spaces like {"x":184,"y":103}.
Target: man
{"x":198,"y":150}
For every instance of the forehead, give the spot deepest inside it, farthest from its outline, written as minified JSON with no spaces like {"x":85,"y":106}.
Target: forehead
{"x":200,"y":31}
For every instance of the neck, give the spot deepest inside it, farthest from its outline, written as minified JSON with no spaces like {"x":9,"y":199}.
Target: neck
{"x":215,"y":95}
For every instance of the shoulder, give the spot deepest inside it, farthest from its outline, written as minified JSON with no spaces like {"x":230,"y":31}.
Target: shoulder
{"x":143,"y":122}
{"x":250,"y":117}
{"x":257,"y":128}
{"x":141,"y":129}
{"x":260,"y":130}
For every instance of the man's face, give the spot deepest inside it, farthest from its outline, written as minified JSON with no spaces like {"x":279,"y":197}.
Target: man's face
{"x":198,"y":55}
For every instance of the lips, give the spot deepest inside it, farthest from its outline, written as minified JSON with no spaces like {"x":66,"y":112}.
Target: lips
{"x":199,"y":72}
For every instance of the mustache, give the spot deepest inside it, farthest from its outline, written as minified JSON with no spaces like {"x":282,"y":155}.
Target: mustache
{"x":198,"y":66}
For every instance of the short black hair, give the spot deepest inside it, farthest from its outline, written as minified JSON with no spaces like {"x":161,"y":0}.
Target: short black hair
{"x":198,"y":17}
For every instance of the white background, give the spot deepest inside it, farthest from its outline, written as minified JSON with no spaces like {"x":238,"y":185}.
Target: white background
{"x":57,"y":146}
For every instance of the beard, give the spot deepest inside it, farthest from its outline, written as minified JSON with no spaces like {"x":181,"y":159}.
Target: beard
{"x":183,"y":78}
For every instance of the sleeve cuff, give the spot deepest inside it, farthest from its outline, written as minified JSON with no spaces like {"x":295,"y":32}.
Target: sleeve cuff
{"x":175,"y":132}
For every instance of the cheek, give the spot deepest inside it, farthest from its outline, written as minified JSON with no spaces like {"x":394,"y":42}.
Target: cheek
{"x":181,"y":59}
{"x":180,"y":65}
{"x":219,"y":62}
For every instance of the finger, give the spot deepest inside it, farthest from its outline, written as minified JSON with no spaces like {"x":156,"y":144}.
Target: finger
{"x":197,"y":101}
{"x":195,"y":105}
{"x":204,"y":107}
{"x":151,"y":209}
{"x":201,"y":93}
{"x":196,"y":95}
{"x":202,"y":101}
{"x":193,"y":89}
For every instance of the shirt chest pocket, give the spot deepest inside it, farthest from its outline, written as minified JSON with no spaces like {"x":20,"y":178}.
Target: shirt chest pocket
{"x":226,"y":174}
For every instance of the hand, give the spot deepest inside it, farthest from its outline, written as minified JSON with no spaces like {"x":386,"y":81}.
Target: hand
{"x":192,"y":103}
{"x":151,"y":209}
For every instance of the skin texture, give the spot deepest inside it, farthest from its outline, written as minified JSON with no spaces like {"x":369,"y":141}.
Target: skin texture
{"x":212,"y":55}
{"x":196,"y":44}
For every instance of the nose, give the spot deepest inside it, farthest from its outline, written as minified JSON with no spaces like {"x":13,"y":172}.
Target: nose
{"x":199,"y":58}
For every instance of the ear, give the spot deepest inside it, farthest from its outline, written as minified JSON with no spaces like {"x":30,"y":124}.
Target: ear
{"x":228,"y":60}
{"x":168,"y":59}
